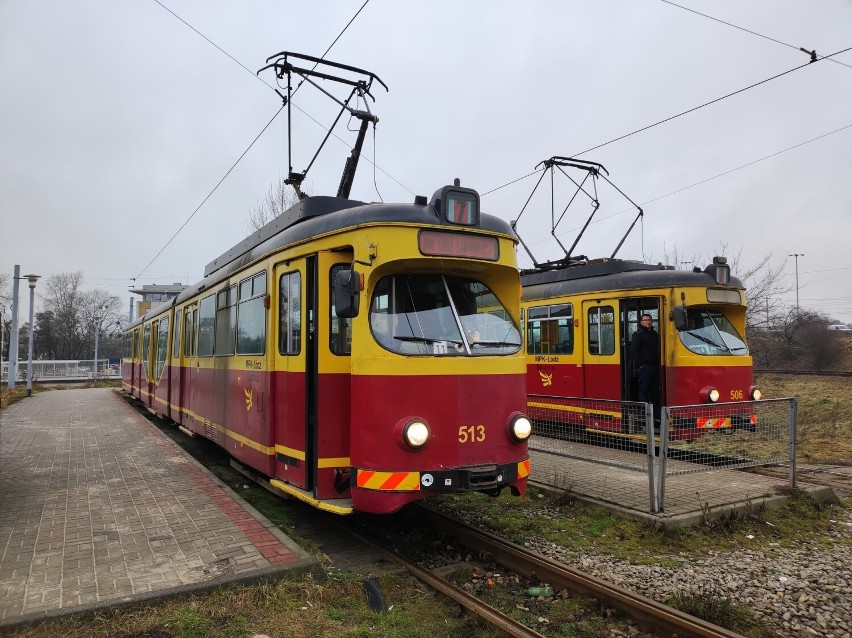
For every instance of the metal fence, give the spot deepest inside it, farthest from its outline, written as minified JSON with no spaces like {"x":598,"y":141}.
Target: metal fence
{"x":685,"y":440}
{"x":47,"y":371}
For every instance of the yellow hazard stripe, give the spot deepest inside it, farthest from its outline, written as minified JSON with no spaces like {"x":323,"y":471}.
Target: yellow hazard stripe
{"x":388,"y":481}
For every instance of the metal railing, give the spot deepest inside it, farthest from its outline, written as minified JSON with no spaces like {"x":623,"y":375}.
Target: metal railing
{"x":48,"y":371}
{"x":686,"y":440}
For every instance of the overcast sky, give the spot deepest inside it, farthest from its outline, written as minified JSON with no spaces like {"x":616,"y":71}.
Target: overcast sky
{"x":117,"y":120}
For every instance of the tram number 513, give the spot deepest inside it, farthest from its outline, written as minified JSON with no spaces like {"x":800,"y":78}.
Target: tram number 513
{"x":471,"y":433}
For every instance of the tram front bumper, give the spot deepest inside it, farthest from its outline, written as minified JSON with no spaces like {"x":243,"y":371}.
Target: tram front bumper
{"x":466,"y":479}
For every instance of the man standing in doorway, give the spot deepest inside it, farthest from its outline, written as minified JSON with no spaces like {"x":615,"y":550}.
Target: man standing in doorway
{"x":645,"y":349}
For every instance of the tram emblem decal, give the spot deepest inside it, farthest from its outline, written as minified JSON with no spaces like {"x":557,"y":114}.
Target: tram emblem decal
{"x":249,"y":402}
{"x":546,"y":379}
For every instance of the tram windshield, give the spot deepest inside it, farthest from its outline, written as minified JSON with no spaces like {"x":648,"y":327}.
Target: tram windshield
{"x":710,"y":332}
{"x":441,"y":315}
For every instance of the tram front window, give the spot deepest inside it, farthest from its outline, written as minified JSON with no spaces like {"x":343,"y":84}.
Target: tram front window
{"x":710,"y":332}
{"x":441,"y":315}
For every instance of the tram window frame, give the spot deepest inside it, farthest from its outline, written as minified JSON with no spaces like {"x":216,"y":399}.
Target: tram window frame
{"x":206,"y":325}
{"x":552,"y":320}
{"x":146,"y":346}
{"x":188,"y":331}
{"x":176,"y":340}
{"x":225,"y":329}
{"x":161,"y":345}
{"x":340,"y":328}
{"x":594,"y":328}
{"x":252,"y":295}
{"x":290,"y":314}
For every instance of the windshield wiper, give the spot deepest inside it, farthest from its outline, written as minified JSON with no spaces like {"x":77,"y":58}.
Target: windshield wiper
{"x":721,"y":346}
{"x":495,"y":344}
{"x":426,"y":339}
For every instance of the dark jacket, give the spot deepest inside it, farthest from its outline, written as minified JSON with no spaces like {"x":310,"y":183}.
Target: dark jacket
{"x":645,"y":347}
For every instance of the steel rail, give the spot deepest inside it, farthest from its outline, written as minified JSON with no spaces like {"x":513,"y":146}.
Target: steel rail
{"x":484,"y":611}
{"x":648,"y":613}
{"x":812,"y":373}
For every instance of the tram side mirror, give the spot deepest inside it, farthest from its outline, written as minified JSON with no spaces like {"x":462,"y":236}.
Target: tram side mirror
{"x":679,"y":316}
{"x":347,"y":293}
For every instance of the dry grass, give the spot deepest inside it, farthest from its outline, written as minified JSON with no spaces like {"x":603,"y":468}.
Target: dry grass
{"x":824,"y":414}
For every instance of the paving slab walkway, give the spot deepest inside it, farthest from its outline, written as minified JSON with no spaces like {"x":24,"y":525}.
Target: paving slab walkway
{"x":98,"y":507}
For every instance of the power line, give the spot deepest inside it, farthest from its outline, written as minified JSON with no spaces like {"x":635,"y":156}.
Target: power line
{"x":258,"y":135}
{"x":233,"y":166}
{"x":718,"y":99}
{"x":704,"y":181}
{"x":813,"y":52}
{"x":668,"y":119}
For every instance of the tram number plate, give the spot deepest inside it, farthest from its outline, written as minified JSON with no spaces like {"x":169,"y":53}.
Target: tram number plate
{"x":471,"y":433}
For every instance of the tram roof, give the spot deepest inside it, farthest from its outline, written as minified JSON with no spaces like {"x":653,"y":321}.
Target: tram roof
{"x":316,"y":216}
{"x":613,"y":274}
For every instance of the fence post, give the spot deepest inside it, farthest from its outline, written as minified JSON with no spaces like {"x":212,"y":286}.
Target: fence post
{"x":665,"y":419}
{"x":649,"y":442}
{"x":791,"y":433}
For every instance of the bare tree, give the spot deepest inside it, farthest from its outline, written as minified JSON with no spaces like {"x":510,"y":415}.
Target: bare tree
{"x":278,"y":199}
{"x":765,"y":284}
{"x":66,"y":328}
{"x":5,"y":293}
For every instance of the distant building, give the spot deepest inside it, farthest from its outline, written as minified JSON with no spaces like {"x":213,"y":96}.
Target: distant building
{"x":840,"y":327}
{"x":155,"y":294}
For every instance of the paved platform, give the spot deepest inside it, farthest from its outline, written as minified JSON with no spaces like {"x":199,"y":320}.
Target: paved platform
{"x":99,"y":508}
{"x":691,"y":498}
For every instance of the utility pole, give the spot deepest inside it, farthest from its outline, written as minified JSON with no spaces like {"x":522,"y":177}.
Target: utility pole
{"x":32,"y":279}
{"x":797,"y":255}
{"x":13,"y":335}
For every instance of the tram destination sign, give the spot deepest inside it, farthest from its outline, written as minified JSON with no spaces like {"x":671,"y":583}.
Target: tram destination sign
{"x":443,"y":244}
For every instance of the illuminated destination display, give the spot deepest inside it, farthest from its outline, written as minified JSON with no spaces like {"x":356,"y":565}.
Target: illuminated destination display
{"x":458,"y":245}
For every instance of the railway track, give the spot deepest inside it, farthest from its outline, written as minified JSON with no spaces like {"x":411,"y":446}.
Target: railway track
{"x":647,"y":613}
{"x":838,"y":478}
{"x":812,"y":373}
{"x":366,"y":547}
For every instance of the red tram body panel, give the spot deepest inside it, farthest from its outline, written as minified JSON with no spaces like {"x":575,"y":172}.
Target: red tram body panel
{"x":358,"y":356}
{"x":578,"y":323}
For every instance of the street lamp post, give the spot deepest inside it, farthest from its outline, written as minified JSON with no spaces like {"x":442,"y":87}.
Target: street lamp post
{"x":32,"y":279}
{"x":97,"y":333}
{"x":2,"y":330}
{"x":797,"y":255}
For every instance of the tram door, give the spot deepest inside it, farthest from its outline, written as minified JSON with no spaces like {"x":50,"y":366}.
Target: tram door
{"x":312,"y":378}
{"x":292,"y":385}
{"x":631,"y":311}
{"x":188,"y":361}
{"x":601,"y":369}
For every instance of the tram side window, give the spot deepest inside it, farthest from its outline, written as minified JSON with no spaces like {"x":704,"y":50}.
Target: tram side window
{"x":226,"y":321}
{"x":207,"y":316}
{"x":550,"y":329}
{"x":162,"y":344}
{"x":601,"y":330}
{"x":176,"y":342}
{"x":251,"y":316}
{"x":146,"y":344}
{"x":128,"y":345}
{"x":290,"y":313}
{"x":188,"y":331}
{"x":340,"y":333}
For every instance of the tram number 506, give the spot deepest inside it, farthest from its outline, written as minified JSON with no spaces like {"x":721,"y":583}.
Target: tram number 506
{"x":736,"y":395}
{"x":471,"y":433}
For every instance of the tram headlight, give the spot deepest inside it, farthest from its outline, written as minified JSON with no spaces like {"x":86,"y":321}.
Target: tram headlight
{"x":755,"y":393}
{"x":520,"y":428}
{"x":415,"y":433}
{"x":709,"y":394}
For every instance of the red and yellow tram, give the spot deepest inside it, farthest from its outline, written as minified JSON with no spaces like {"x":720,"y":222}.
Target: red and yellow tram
{"x":579,"y":321}
{"x":359,"y":356}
